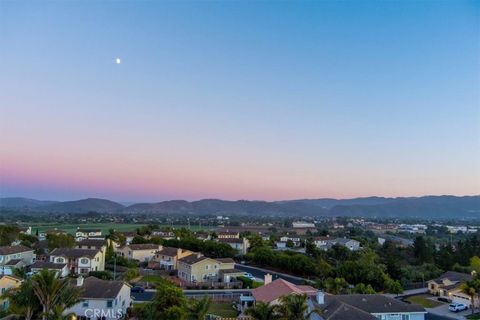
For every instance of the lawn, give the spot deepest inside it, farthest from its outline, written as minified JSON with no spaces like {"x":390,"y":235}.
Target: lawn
{"x":475,"y":316}
{"x":223,"y":310}
{"x":422,"y":299}
{"x":153,"y":279}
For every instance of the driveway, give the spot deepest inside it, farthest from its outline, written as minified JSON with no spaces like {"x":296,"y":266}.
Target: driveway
{"x":443,"y":311}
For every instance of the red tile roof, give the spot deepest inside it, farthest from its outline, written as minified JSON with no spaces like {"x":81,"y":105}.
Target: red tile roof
{"x":279,"y":288}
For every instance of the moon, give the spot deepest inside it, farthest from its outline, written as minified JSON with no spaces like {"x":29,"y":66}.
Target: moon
{"x":118,"y":61}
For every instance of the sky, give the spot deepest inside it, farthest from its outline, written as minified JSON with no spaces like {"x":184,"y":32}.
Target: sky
{"x":239,"y":100}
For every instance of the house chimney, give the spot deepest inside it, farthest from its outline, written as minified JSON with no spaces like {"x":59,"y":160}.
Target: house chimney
{"x":320,"y":297}
{"x":179,"y":252}
{"x":267,"y":279}
{"x":79,"y":281}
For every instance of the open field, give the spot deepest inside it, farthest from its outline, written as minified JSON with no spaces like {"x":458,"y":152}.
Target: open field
{"x":422,"y":299}
{"x":70,"y":228}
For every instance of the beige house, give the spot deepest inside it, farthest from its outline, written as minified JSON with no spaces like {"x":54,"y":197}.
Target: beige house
{"x":448,"y":285}
{"x":167,"y":258}
{"x":140,"y":252}
{"x":8,"y":282}
{"x":197,"y":268}
{"x":79,"y":261}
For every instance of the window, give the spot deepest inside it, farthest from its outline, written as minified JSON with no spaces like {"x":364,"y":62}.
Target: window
{"x":85,"y":303}
{"x":84,"y":260}
{"x":109,"y":303}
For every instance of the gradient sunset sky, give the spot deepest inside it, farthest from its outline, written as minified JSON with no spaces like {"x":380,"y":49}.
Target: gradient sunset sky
{"x":239,"y":100}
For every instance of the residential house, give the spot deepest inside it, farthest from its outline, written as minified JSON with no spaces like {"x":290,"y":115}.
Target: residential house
{"x":85,"y":233}
{"x":338,"y":307}
{"x":363,"y":307}
{"x":228,"y":235}
{"x":241,"y":245}
{"x":272,"y":291}
{"x":321,"y":241}
{"x":296,"y":240}
{"x":43,"y":235}
{"x":227,"y":272}
{"x":448,"y":285}
{"x":166,"y":258}
{"x":140,"y":251}
{"x":13,"y":255}
{"x":197,"y":268}
{"x":79,"y":261}
{"x":25,"y":230}
{"x":167,"y":235}
{"x":129,"y":235}
{"x":60,"y":268}
{"x":8,"y":282}
{"x":98,"y":244}
{"x":101,"y":299}
{"x":352,"y":245}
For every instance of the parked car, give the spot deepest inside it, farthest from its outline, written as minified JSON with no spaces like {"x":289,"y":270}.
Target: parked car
{"x":137,"y":289}
{"x":248,"y":275}
{"x":444,"y":299}
{"x":456,"y":307}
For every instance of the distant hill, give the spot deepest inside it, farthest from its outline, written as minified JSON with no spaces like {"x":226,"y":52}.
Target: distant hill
{"x":85,"y":205}
{"x":414,"y":207}
{"x":19,"y":202}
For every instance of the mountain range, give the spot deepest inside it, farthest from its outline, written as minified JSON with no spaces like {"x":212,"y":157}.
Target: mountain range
{"x":418,"y":207}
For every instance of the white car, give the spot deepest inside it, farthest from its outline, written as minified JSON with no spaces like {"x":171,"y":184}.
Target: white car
{"x":248,"y":275}
{"x":456,"y":307}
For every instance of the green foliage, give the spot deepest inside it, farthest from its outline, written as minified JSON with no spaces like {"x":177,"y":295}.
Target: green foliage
{"x":475,"y":264}
{"x":249,"y":283}
{"x":131,"y":274}
{"x":291,"y":262}
{"x":8,"y":234}
{"x":104,"y":275}
{"x":169,"y":304}
{"x":262,"y":311}
{"x":208,"y":248}
{"x":22,"y":300}
{"x":336,"y":285}
{"x":60,"y":240}
{"x":198,"y":309}
{"x":361,"y":288}
{"x":53,"y":292}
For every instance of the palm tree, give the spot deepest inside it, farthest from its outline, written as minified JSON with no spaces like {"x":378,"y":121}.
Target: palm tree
{"x":54,"y":292}
{"x":198,"y":309}
{"x":262,"y":311}
{"x":295,"y":306}
{"x":22,"y":300}
{"x":470,"y":289}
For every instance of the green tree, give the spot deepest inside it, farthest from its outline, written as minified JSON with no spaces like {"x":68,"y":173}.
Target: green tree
{"x":475,"y":264}
{"x":294,"y":306}
{"x":198,"y":309}
{"x":22,"y":300}
{"x":169,"y":304}
{"x":262,"y":311}
{"x":336,"y":285}
{"x":471,"y":289}
{"x":110,"y":253}
{"x":52,"y":291}
{"x":60,"y":240}
{"x":423,"y":250}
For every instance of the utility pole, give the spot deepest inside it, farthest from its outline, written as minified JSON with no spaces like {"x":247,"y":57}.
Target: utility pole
{"x":115,"y":267}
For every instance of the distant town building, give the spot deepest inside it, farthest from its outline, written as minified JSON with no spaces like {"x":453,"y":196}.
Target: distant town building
{"x":303,"y":224}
